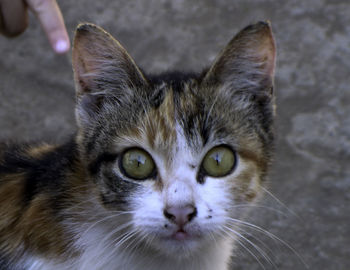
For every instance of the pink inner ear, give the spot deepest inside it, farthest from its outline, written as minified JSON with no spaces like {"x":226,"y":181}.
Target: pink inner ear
{"x":261,"y":46}
{"x":91,"y":44}
{"x":84,"y":83}
{"x":268,"y":51}
{"x":100,"y":61}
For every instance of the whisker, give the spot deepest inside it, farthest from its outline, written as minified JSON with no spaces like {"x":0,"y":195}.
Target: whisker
{"x":136,"y":239}
{"x":104,"y":219}
{"x":125,"y":238}
{"x":246,"y":248}
{"x":261,"y":252}
{"x":271,"y":235}
{"x":116,"y":230}
{"x":245,"y":232}
{"x":116,"y":243}
{"x":133,"y":245}
{"x":280,"y":202}
{"x":260,"y":206}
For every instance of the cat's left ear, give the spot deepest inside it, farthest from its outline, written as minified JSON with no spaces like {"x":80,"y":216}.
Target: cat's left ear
{"x":102,"y":68}
{"x":247,"y":62}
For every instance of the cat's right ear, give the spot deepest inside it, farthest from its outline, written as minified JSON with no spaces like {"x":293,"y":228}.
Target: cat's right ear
{"x":102,"y":68}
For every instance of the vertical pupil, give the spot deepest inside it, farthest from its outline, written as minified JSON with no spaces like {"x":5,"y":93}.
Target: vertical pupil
{"x":138,"y":161}
{"x":217,"y":158}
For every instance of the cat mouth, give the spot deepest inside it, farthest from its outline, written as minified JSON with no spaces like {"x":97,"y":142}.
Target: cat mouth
{"x":181,"y":235}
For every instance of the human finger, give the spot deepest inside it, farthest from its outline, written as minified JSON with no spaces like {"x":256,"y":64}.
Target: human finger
{"x":51,"y":19}
{"x":13,"y":17}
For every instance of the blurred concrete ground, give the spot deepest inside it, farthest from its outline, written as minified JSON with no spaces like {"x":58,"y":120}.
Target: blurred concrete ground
{"x":311,"y":174}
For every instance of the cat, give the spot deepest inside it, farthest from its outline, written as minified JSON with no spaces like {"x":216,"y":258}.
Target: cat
{"x":158,"y":169}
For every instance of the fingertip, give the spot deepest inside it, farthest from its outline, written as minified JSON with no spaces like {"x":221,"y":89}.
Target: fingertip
{"x":61,"y":46}
{"x":51,"y":20}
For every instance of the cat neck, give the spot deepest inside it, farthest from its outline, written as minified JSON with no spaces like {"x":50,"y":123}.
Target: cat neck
{"x":213,"y":256}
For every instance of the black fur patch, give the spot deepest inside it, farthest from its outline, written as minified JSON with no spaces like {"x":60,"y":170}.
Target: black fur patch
{"x":120,"y":190}
{"x":95,"y":166}
{"x":46,"y":173}
{"x":173,"y":78}
{"x":157,"y":98}
{"x":14,"y":161}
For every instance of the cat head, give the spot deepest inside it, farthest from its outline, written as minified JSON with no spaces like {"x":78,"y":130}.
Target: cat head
{"x":182,"y":153}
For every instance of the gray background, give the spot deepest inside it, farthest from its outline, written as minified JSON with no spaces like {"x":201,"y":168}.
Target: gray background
{"x":310,"y":175}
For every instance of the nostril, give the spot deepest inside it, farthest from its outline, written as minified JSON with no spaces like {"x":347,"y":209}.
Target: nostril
{"x":180,"y":214}
{"x":193,"y":214}
{"x":168,"y":215}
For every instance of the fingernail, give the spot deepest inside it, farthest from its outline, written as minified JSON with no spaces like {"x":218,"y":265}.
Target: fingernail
{"x":61,"y":46}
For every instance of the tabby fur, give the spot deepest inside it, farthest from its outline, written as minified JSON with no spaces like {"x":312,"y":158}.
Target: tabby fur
{"x":70,"y":206}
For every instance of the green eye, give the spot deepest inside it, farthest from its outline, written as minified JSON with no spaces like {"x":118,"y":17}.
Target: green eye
{"x":137,"y":164}
{"x":219,"y":161}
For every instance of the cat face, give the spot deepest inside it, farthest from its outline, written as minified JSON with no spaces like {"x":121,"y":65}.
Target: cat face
{"x":182,"y":154}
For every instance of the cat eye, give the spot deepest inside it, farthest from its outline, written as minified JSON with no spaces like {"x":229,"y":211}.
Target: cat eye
{"x":219,"y":161}
{"x":137,"y":164}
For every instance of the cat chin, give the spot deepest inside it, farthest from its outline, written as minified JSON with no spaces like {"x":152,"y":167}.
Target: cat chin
{"x":179,"y":246}
{"x":177,"y":249}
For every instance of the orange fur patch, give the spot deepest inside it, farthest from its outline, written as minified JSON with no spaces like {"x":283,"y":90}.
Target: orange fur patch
{"x":39,"y":151}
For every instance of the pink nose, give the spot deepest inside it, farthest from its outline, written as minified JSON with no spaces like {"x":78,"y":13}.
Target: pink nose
{"x":180,"y":215}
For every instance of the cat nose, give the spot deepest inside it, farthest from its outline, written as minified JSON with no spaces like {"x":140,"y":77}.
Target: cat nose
{"x":180,"y":214}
